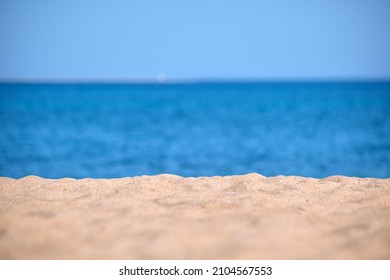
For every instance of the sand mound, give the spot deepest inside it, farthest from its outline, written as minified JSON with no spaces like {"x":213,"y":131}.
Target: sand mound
{"x":170,"y":217}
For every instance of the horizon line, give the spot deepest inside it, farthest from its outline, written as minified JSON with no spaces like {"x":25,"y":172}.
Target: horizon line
{"x":159,"y":80}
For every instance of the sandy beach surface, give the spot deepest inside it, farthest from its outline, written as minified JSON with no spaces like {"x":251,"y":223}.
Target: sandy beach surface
{"x":171,"y":217}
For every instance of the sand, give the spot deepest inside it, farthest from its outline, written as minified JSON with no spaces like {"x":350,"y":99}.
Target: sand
{"x":171,"y":217}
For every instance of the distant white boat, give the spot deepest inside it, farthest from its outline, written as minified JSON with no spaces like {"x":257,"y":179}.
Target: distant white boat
{"x":160,"y":78}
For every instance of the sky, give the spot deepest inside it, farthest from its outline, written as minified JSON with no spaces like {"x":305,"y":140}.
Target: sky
{"x":194,"y":39}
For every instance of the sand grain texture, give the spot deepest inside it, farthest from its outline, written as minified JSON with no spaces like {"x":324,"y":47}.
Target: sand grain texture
{"x":171,"y":217}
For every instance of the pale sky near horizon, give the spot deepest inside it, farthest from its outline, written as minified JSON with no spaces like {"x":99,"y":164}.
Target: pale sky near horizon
{"x":214,"y":39}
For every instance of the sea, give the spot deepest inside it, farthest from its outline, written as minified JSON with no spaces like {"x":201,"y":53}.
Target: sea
{"x":111,"y":130}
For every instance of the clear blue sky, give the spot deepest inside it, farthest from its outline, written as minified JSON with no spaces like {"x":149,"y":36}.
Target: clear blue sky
{"x":197,"y":39}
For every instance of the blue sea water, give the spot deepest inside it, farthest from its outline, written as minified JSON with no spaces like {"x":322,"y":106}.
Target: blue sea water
{"x":118,"y":130}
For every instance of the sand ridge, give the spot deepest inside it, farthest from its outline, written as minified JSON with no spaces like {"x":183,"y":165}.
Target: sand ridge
{"x":172,"y":217}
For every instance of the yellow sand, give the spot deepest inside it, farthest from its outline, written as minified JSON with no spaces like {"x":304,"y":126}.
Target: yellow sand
{"x":170,"y":217}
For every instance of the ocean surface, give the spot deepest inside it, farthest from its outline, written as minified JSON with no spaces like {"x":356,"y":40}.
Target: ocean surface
{"x":119,"y":130}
